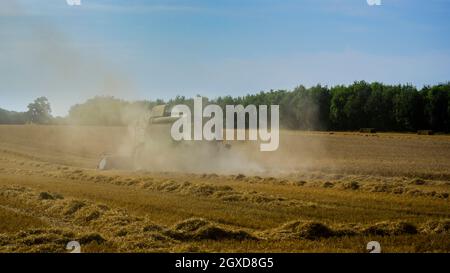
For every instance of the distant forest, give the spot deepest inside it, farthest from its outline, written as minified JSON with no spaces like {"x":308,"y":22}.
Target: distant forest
{"x":361,"y":104}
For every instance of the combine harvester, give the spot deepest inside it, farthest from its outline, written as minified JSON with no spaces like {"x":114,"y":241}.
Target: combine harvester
{"x":152,"y":139}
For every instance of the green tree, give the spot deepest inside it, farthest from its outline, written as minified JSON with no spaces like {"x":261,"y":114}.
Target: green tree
{"x":339,"y":97}
{"x":437,"y":106}
{"x":407,"y":108}
{"x":39,"y":111}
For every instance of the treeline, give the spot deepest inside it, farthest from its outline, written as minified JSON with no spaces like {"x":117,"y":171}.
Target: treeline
{"x":12,"y":117}
{"x":361,"y":104}
{"x":38,"y":112}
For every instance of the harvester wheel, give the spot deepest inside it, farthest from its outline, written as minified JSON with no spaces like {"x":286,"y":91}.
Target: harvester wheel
{"x":103,"y":164}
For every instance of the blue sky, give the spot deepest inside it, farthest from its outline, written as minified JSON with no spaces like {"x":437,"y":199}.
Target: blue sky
{"x":137,"y":49}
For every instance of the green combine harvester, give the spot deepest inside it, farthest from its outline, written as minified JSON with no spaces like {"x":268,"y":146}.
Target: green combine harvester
{"x":152,"y":140}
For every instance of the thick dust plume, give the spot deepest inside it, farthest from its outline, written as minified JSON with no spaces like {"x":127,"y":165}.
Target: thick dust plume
{"x":152,"y":148}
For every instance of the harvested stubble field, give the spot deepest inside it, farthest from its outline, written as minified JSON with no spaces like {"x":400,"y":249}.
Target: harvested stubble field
{"x":320,"y":192}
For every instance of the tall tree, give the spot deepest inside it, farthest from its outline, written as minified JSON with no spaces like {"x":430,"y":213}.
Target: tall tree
{"x":39,"y":111}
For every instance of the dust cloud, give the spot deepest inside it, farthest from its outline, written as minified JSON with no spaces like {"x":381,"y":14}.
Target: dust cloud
{"x":55,"y":67}
{"x":151,"y":148}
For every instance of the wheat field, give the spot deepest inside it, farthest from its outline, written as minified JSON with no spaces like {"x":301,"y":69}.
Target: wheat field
{"x":320,"y":192}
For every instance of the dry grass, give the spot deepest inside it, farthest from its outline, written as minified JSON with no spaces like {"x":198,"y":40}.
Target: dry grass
{"x":11,"y":220}
{"x":319,"y":193}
